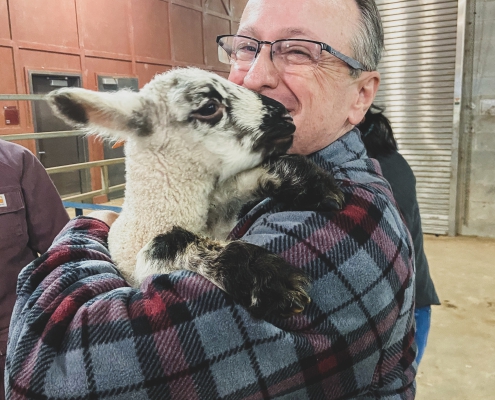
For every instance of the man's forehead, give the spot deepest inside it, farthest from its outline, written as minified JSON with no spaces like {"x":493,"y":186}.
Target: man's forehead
{"x":330,"y":21}
{"x":285,"y":32}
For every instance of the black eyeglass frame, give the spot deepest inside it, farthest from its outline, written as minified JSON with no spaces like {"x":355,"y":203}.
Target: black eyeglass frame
{"x":351,"y":62}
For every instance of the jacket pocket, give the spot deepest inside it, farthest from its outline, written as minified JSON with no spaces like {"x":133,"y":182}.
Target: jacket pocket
{"x":13,"y":224}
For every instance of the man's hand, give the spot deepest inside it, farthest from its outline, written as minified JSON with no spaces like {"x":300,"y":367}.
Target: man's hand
{"x":108,"y":217}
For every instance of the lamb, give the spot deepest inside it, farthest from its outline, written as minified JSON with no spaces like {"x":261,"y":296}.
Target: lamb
{"x":197,"y":148}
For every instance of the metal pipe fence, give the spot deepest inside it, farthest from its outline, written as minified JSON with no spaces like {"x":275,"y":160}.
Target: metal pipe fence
{"x":102,"y":164}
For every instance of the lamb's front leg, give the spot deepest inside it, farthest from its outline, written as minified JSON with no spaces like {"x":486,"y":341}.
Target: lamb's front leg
{"x":261,"y":281}
{"x":300,"y":183}
{"x":291,"y":179}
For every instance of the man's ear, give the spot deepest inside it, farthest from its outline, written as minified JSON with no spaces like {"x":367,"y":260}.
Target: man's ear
{"x":117,"y":115}
{"x":367,"y":85}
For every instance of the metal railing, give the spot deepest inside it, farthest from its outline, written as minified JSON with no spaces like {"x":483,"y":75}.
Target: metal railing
{"x":102,"y":164}
{"x":105,"y":186}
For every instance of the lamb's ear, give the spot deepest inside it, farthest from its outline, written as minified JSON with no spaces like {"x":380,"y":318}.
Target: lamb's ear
{"x":117,"y":115}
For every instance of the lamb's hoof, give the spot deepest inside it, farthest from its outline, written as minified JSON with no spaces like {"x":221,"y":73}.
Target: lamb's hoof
{"x":330,"y":201}
{"x":261,"y":281}
{"x":305,"y":186}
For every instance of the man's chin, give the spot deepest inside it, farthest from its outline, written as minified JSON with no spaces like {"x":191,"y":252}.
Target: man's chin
{"x":304,"y":147}
{"x":297,"y":149}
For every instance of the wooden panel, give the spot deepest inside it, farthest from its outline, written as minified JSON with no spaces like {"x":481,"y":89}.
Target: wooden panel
{"x":106,"y":25}
{"x":51,"y":22}
{"x":40,"y":60}
{"x":4,"y":20}
{"x":222,"y":73}
{"x":234,"y":27}
{"x":146,"y":72}
{"x":214,"y":26}
{"x":151,"y":28}
{"x":186,"y":25}
{"x":194,"y":2}
{"x":102,"y":66}
{"x":7,"y":83}
{"x":218,"y":6}
{"x":238,"y":7}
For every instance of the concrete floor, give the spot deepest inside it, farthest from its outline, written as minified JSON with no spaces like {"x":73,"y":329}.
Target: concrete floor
{"x":459,"y":362}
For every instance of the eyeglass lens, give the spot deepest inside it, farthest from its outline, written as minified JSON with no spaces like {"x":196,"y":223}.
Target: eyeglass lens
{"x":285,"y":54}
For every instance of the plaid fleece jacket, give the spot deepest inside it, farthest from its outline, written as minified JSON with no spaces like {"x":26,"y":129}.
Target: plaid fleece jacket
{"x":79,"y":332}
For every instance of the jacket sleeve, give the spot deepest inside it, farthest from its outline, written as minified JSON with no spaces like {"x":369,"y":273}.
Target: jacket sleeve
{"x":79,"y":332}
{"x":45,"y":213}
{"x":360,"y":262}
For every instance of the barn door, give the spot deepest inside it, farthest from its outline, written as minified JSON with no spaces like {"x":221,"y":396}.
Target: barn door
{"x":418,"y":72}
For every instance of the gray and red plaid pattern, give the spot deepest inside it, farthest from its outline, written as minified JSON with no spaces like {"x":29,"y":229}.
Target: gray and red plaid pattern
{"x":79,"y":332}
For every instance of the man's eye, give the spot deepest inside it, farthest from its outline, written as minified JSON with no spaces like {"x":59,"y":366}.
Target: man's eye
{"x":296,"y":51}
{"x":246,"y":48}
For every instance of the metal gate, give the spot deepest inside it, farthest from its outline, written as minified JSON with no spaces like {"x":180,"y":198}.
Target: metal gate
{"x":54,"y":152}
{"x":419,"y":78}
{"x":116,"y":173}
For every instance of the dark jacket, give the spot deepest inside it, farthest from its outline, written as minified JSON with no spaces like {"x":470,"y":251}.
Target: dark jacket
{"x":31,"y":215}
{"x":399,"y":174}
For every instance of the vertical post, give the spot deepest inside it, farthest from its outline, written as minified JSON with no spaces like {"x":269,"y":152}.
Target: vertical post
{"x":104,"y":179}
{"x":459,"y":66}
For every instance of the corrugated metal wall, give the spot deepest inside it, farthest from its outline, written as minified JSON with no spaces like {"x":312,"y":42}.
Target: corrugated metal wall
{"x":417,"y":89}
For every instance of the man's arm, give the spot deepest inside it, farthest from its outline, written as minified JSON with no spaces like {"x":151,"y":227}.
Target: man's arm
{"x":359,"y":260}
{"x":45,"y":213}
{"x":78,"y":330}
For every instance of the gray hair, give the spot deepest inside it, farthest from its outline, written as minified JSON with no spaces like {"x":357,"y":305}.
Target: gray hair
{"x":367,"y":43}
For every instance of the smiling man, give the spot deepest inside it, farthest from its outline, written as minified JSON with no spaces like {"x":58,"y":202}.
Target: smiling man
{"x":325,"y":97}
{"x":79,"y":332}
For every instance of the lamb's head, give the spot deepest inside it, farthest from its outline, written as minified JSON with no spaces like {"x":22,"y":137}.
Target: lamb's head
{"x":217,"y":120}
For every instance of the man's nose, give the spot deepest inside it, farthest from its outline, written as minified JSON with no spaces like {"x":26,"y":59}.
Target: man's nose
{"x":262,"y":73}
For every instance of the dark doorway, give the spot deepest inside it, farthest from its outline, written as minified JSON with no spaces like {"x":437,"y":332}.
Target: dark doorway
{"x":59,"y":151}
{"x":116,"y":173}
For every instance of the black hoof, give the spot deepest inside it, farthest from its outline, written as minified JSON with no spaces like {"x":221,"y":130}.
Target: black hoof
{"x":304,"y":185}
{"x":261,"y":281}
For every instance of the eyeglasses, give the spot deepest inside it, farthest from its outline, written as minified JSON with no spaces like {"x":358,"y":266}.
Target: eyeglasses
{"x":286,"y":54}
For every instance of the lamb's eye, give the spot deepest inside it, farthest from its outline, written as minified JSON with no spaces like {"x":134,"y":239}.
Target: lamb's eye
{"x":211,"y":112}
{"x":209,"y":109}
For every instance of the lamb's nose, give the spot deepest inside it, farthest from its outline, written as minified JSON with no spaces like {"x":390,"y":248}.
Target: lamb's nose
{"x":287,"y":117}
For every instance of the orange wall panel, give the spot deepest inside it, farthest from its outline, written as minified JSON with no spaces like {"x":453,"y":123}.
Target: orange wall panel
{"x":146,"y":72}
{"x":238,"y":7}
{"x":34,"y":60}
{"x":186,"y":25}
{"x":105,"y":25}
{"x":214,"y":26}
{"x":102,"y":66}
{"x":219,"y":6}
{"x":234,"y":27}
{"x":4,"y":20}
{"x":7,"y":74}
{"x":51,"y":22}
{"x":7,"y":83}
{"x":194,"y":2}
{"x":151,"y":28}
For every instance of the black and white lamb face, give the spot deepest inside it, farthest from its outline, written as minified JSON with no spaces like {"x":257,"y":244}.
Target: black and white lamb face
{"x":214,"y":118}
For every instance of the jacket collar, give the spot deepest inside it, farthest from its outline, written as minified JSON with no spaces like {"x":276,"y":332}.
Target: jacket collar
{"x":345,"y":149}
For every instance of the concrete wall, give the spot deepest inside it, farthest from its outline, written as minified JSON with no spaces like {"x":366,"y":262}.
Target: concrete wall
{"x":476,"y":211}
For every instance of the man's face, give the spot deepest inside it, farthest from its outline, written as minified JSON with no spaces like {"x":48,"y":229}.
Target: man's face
{"x":320,"y":99}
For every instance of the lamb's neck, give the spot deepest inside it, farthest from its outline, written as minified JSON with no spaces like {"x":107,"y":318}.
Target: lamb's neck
{"x":173,"y":186}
